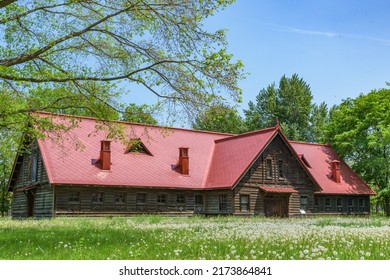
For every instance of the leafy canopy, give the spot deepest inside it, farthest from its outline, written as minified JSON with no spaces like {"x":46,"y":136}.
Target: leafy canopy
{"x":219,"y":118}
{"x":359,"y":130}
{"x":81,"y":55}
{"x":290,"y":103}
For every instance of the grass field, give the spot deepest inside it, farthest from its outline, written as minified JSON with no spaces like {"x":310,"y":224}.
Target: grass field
{"x":194,"y":238}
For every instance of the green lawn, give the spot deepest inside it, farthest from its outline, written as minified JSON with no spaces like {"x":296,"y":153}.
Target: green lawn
{"x":155,"y":237}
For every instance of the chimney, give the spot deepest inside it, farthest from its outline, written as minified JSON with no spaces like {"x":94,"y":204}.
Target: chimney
{"x":105,"y":154}
{"x":184,"y":161}
{"x":336,"y":170}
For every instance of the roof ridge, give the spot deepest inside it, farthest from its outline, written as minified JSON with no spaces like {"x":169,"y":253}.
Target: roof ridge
{"x":135,"y":123}
{"x":246,"y":134}
{"x":308,"y":143}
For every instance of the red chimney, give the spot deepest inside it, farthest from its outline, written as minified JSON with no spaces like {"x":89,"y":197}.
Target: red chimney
{"x":105,"y":154}
{"x":184,"y":161}
{"x":336,"y":170}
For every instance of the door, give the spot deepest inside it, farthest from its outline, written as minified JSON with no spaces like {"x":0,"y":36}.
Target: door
{"x":276,"y":206}
{"x":30,"y":203}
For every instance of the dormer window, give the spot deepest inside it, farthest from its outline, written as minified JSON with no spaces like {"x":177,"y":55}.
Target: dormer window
{"x":305,"y":161}
{"x":136,"y":146}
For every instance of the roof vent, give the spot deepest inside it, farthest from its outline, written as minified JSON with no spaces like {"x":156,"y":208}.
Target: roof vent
{"x":105,"y":154}
{"x":183,"y":161}
{"x":336,"y":170}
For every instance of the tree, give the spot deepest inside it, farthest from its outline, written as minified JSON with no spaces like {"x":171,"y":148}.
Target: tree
{"x":319,"y":120}
{"x":7,"y":155}
{"x":219,"y":118}
{"x":264,"y":112}
{"x":291,"y":103}
{"x":139,"y":114}
{"x":359,"y":130}
{"x":62,"y":56}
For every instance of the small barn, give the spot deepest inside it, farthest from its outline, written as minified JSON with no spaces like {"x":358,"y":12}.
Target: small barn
{"x":175,"y":171}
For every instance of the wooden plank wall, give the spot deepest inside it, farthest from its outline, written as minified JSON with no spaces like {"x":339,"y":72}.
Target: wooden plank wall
{"x":19,"y":205}
{"x":344,"y":207}
{"x":22,"y":179}
{"x":86,"y":205}
{"x":43,"y":201}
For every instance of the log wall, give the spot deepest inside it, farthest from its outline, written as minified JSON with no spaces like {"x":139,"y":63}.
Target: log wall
{"x":81,"y":200}
{"x":293,"y":176}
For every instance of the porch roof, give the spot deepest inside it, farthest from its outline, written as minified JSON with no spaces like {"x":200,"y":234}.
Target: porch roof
{"x":268,"y":189}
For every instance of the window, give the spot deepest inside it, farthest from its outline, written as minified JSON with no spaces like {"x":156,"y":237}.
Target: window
{"x":223,"y":202}
{"x":350,"y":204}
{"x":244,"y":203}
{"x":141,"y":201}
{"x":268,"y":168}
{"x":141,"y":198}
{"x":199,"y":199}
{"x":161,"y":198}
{"x":180,"y":198}
{"x":32,"y":167}
{"x":74,"y":197}
{"x":361,"y":204}
{"x":120,"y":198}
{"x":327,"y":204}
{"x":316,"y":203}
{"x":280,"y":169}
{"x":198,"y":202}
{"x":304,"y":202}
{"x":97,"y":198}
{"x":339,"y":202}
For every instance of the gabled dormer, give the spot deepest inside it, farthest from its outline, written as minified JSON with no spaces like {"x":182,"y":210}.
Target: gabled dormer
{"x":136,"y":146}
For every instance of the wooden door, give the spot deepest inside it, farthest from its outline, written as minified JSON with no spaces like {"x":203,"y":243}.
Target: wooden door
{"x":276,"y":206}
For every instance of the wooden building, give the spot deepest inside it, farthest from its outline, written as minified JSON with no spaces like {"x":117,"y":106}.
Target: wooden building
{"x":175,"y":171}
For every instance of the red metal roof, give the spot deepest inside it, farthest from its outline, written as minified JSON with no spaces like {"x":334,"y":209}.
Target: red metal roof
{"x":278,"y":189}
{"x":319,"y":158}
{"x":65,"y":165}
{"x":216,"y":160}
{"x":233,"y":155}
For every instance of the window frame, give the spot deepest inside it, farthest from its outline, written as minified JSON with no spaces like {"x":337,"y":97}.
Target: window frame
{"x":141,"y":198}
{"x":351,"y":207}
{"x":245,"y":206}
{"x":121,"y":200}
{"x":223,"y":202}
{"x":97,"y":198}
{"x":161,"y":198}
{"x":198,"y":204}
{"x":32,"y":166}
{"x":281,"y":170}
{"x":71,"y":197}
{"x":339,"y":204}
{"x":268,"y":168}
{"x":180,"y":198}
{"x":304,"y":206}
{"x":316,"y":203}
{"x":327,"y":205}
{"x":362,"y":204}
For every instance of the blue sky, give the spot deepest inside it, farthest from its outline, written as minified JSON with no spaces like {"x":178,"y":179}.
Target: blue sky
{"x":340,"y":48}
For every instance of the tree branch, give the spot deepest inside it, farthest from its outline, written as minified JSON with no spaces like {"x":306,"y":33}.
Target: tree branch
{"x":29,"y":56}
{"x":5,"y":3}
{"x":98,"y":79}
